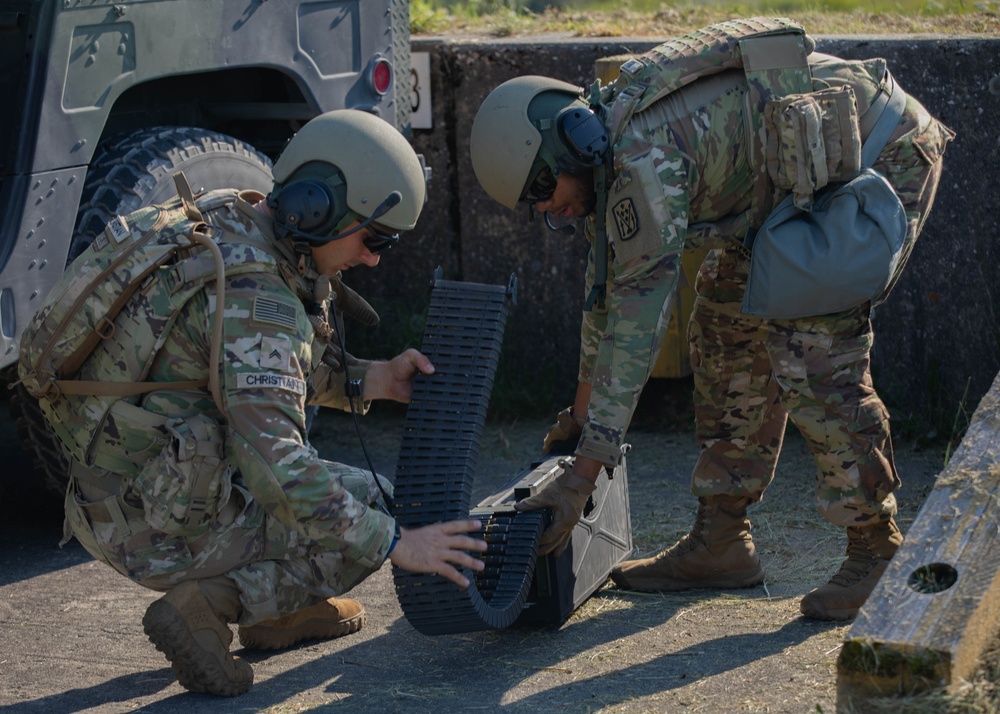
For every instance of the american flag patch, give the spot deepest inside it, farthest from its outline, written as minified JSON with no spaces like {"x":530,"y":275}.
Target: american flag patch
{"x":274,"y":312}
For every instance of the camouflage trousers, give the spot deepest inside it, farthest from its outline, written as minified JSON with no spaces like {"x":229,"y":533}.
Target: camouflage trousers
{"x":752,"y":375}
{"x":277,"y":570}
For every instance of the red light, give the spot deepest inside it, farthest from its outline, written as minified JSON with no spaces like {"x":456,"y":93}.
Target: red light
{"x":381,"y":76}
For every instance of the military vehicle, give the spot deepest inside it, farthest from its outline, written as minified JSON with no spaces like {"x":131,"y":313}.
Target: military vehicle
{"x":104,"y":100}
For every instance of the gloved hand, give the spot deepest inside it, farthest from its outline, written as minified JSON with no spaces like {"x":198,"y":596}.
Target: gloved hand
{"x":565,"y":433}
{"x":567,"y":496}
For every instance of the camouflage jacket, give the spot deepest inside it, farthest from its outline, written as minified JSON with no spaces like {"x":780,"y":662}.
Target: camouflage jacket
{"x":271,"y":356}
{"x":682,"y":178}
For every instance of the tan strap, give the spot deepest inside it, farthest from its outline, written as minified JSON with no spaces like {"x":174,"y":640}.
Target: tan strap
{"x":187,"y":197}
{"x":769,"y":62}
{"x":215,"y":359}
{"x":71,"y":364}
{"x":82,"y":387}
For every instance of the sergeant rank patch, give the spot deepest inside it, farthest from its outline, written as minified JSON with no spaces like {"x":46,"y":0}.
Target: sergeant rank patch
{"x":626,"y":219}
{"x":276,"y":353}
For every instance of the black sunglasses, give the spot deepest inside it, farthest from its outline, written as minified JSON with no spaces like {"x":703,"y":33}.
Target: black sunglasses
{"x":378,"y":241}
{"x":542,"y":187}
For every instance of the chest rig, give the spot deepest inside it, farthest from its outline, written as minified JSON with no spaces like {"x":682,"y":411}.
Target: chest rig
{"x":771,"y":52}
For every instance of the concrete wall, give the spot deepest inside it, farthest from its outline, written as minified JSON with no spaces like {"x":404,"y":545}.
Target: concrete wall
{"x":937,"y":336}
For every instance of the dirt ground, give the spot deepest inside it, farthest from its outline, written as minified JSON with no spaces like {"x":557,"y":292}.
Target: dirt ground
{"x":73,"y":639}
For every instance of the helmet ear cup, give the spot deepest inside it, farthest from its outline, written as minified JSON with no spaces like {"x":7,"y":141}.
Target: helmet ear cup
{"x":584,"y":134}
{"x":307,"y":206}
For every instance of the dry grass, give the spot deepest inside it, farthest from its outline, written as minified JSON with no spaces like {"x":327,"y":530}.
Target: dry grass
{"x":981,"y":19}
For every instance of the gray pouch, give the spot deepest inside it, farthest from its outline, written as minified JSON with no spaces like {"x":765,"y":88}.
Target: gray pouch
{"x":838,"y":256}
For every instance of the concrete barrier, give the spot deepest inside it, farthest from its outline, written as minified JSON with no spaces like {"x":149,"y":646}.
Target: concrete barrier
{"x":937,"y":338}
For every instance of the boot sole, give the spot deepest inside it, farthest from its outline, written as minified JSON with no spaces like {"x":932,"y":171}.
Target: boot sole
{"x":196,"y":670}
{"x":818,"y":613}
{"x":724,"y":581}
{"x":267,"y":638}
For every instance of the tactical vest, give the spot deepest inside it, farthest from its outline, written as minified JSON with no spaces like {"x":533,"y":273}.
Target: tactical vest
{"x":112,"y":311}
{"x":772,"y":53}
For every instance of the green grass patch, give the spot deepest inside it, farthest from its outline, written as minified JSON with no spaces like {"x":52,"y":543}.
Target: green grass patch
{"x":629,"y":18}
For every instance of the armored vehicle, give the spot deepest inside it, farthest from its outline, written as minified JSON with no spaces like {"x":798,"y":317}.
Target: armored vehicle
{"x":104,"y":100}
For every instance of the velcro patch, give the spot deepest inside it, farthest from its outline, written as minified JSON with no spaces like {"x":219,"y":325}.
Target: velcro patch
{"x":626,"y":219}
{"x":118,"y":229}
{"x":276,"y":353}
{"x":270,"y":380}
{"x":274,"y":312}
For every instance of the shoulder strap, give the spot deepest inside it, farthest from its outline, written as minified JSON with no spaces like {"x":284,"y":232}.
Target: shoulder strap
{"x":775,"y":65}
{"x":187,"y":197}
{"x":893,"y":101}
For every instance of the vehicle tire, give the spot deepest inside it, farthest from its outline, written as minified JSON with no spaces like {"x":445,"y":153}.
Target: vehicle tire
{"x":130,"y":171}
{"x":49,"y":463}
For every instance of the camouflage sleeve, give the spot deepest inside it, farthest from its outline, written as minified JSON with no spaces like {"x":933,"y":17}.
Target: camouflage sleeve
{"x":266,"y":362}
{"x":329,"y":383}
{"x":646,"y":222}
{"x":594,"y":321}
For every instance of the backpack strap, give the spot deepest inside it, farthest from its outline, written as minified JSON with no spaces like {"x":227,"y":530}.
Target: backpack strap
{"x":775,"y":65}
{"x":187,"y":197}
{"x":883,"y":116}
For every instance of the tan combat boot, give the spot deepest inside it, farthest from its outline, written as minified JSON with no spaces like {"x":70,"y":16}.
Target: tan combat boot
{"x":869,"y":549}
{"x":717,"y":553}
{"x":331,"y":618}
{"x":190,"y":626}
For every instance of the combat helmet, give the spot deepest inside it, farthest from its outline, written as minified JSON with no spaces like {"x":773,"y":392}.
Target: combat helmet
{"x":345,"y":166}
{"x":529,"y":131}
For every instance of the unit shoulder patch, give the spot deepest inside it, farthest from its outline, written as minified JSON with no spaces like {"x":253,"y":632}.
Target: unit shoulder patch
{"x":626,"y":219}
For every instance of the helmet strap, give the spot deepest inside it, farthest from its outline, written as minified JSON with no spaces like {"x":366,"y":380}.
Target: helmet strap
{"x":598,"y":291}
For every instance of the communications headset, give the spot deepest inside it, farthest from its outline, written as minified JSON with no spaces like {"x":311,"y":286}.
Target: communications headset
{"x":303,"y":211}
{"x":588,"y":146}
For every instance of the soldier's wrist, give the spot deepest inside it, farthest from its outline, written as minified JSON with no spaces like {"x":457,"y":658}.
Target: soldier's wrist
{"x":397,"y":534}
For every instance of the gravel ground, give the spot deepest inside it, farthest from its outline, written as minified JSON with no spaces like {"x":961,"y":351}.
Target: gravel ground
{"x":73,"y":639}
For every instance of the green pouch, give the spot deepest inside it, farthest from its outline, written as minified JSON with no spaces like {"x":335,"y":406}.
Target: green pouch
{"x":812,"y":140}
{"x":186,"y":485}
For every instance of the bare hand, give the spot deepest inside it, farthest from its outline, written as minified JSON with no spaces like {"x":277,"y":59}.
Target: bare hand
{"x":438,"y":548}
{"x":394,"y":379}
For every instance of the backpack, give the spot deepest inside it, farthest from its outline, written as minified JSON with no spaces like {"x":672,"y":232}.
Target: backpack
{"x":834,"y":241}
{"x":839,"y":250}
{"x":151,"y":261}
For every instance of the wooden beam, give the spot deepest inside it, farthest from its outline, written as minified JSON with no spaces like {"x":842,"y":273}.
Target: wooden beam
{"x":937,"y":607}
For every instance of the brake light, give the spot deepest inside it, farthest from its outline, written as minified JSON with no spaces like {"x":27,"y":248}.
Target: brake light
{"x":380,"y":76}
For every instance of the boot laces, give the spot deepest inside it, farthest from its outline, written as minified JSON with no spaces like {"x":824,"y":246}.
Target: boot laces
{"x":858,"y":565}
{"x":692,"y":541}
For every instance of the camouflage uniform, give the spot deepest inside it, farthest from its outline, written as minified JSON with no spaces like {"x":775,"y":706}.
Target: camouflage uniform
{"x":683,"y":179}
{"x":288,"y":527}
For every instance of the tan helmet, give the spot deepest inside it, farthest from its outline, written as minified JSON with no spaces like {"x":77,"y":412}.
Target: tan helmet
{"x":507,"y":138}
{"x":343,"y":166}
